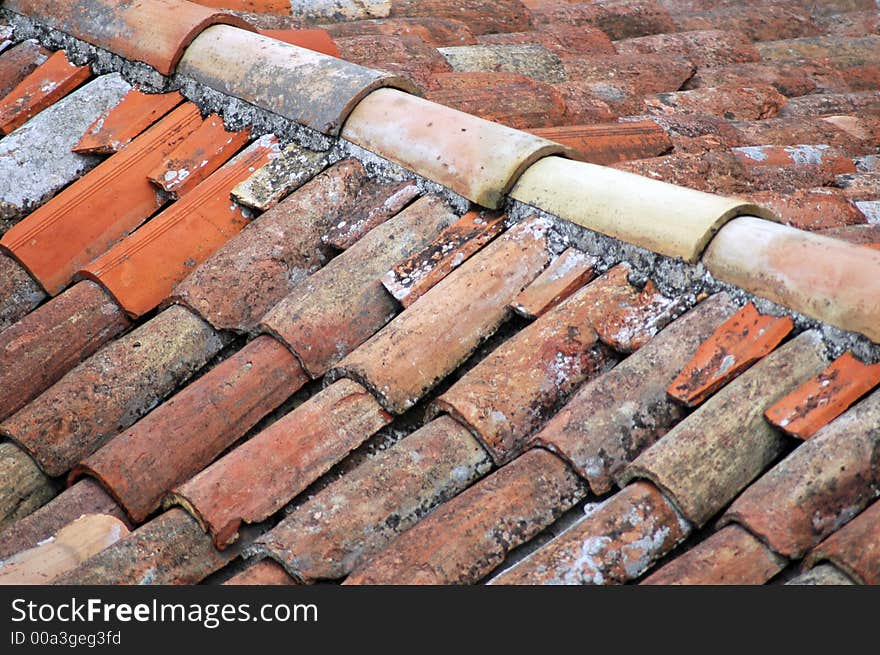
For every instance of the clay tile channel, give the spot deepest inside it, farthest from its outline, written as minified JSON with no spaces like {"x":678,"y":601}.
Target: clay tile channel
{"x":154,"y":31}
{"x":49,"y":82}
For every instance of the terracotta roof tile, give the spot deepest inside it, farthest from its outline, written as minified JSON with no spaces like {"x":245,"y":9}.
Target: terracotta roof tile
{"x":600,"y":199}
{"x":410,"y":279}
{"x":72,"y":544}
{"x":563,"y":277}
{"x":818,"y":276}
{"x":854,"y":23}
{"x":264,"y":572}
{"x":824,"y":574}
{"x":480,"y":16}
{"x":790,"y":80}
{"x":863,"y":235}
{"x":24,"y":487}
{"x":408,"y":357}
{"x":19,"y":292}
{"x":468,"y":536}
{"x":36,"y":161}
{"x":85,"y":497}
{"x":48,"y":83}
{"x":86,"y":218}
{"x":708,"y":458}
{"x":278,"y":249}
{"x":820,"y":486}
{"x":702,"y":47}
{"x":850,"y":137}
{"x":613,"y":544}
{"x":432,"y":30}
{"x":123,"y":122}
{"x":597,"y":433}
{"x":737,"y":344}
{"x":358,"y":515}
{"x":143,"y":268}
{"x":198,"y":424}
{"x":821,"y":209}
{"x":731,"y":556}
{"x":258,"y":478}
{"x":258,"y":6}
{"x":532,"y":60}
{"x":38,"y":350}
{"x":153,"y":31}
{"x":476,"y":158}
{"x":285,"y":173}
{"x":514,"y":389}
{"x":731,"y":103}
{"x":507,"y":98}
{"x":374,"y":204}
{"x":313,"y":39}
{"x":169,"y":550}
{"x":770,"y":23}
{"x":838,"y":50}
{"x":18,"y":62}
{"x":860,"y":186}
{"x":408,"y":56}
{"x":334,"y":311}
{"x":112,"y":389}
{"x":821,"y":154}
{"x":282,"y":78}
{"x":651,"y":73}
{"x":561,"y":39}
{"x":587,"y":102}
{"x":611,"y":143}
{"x":619,"y":20}
{"x":860,"y":103}
{"x":855,"y":548}
{"x":197,"y":156}
{"x":823,"y":398}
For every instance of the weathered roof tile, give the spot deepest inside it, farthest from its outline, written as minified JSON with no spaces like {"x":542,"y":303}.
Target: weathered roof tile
{"x":770,"y":23}
{"x":374,"y":204}
{"x":532,"y":60}
{"x":481,"y":16}
{"x":433,"y":30}
{"x":728,"y":102}
{"x":24,"y":487}
{"x":610,"y":143}
{"x":18,"y":62}
{"x":563,"y":277}
{"x":855,"y":548}
{"x":407,"y":56}
{"x":561,"y":39}
{"x":287,"y":171}
{"x":619,"y":19}
{"x":650,"y":72}
{"x":19,"y":292}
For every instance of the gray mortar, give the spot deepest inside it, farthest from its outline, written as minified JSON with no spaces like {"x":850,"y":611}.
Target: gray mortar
{"x":673,"y":277}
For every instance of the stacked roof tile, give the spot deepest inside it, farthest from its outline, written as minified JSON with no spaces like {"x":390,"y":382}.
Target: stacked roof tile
{"x":520,"y":292}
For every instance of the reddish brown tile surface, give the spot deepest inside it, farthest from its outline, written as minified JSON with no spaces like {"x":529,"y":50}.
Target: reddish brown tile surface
{"x":702,"y":48}
{"x":707,"y":459}
{"x":651,"y":73}
{"x":335,"y":310}
{"x":155,"y":32}
{"x":197,"y":425}
{"x":405,"y":55}
{"x":735,"y":346}
{"x":610,"y":143}
{"x":112,"y":389}
{"x":731,"y":103}
{"x":87,"y":217}
{"x":561,"y":39}
{"x":317,"y":40}
{"x":613,"y":544}
{"x":862,"y":235}
{"x":278,"y":250}
{"x":134,"y":113}
{"x":355,"y":517}
{"x":409,"y":280}
{"x":38,"y":350}
{"x":18,"y":62}
{"x":24,"y":488}
{"x":855,"y":548}
{"x":791,"y":80}
{"x":467,"y":537}
{"x":825,"y":397}
{"x":768,"y":24}
{"x":375,"y":204}
{"x":610,"y":420}
{"x":810,"y":209}
{"x":480,"y":16}
{"x":49,"y":82}
{"x":259,"y":477}
{"x":264,"y":572}
{"x":142,"y":269}
{"x":200,"y":154}
{"x":407,"y":358}
{"x":19,"y":292}
{"x":731,"y":556}
{"x":820,"y":486}
{"x":619,"y":20}
{"x":563,"y":277}
{"x":434,"y":31}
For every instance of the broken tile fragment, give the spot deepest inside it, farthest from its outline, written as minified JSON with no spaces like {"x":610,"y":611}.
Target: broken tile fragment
{"x":613,"y":544}
{"x":731,"y":556}
{"x":113,"y":388}
{"x":260,"y":476}
{"x":199,"y":155}
{"x":286,"y":172}
{"x":739,"y":342}
{"x":563,"y":277}
{"x":23,"y":486}
{"x":134,"y":113}
{"x":825,"y":397}
{"x":609,"y":143}
{"x":40,"y":349}
{"x":821,"y":485}
{"x":854,"y":549}
{"x":464,"y":539}
{"x":408,"y":280}
{"x":375,"y":204}
{"x":611,"y":419}
{"x":707,"y":459}
{"x":356,"y":516}
{"x":48,"y":83}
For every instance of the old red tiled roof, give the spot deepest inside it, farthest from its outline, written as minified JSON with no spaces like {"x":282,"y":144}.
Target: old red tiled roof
{"x":412,"y":292}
